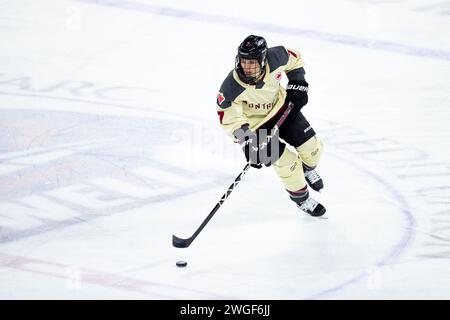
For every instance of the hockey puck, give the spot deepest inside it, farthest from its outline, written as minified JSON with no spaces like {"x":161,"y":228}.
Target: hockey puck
{"x":181,"y":264}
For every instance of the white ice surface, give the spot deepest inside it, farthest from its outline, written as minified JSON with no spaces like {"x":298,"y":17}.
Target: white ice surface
{"x":110,"y":143}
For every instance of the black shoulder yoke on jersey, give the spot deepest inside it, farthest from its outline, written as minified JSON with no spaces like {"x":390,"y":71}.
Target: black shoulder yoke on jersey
{"x":229,"y":90}
{"x":278,"y":56}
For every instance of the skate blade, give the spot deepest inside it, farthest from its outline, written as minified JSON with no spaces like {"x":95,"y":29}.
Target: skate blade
{"x":322,"y":217}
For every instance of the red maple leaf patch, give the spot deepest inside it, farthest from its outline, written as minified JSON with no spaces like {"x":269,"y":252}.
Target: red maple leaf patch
{"x":220,"y":98}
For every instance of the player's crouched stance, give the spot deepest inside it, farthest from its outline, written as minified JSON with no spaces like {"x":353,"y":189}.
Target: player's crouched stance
{"x":250,"y":102}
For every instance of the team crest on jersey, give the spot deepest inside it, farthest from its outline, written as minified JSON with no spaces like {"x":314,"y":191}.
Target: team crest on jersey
{"x":278,"y":76}
{"x":220,"y":98}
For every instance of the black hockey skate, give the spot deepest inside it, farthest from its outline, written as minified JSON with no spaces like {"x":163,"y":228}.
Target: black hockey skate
{"x":313,"y":179}
{"x":312,"y":207}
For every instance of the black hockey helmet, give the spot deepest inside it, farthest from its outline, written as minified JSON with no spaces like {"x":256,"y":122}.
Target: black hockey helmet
{"x":253,"y":47}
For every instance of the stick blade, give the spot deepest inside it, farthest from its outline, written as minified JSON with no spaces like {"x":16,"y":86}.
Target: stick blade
{"x":180,"y":243}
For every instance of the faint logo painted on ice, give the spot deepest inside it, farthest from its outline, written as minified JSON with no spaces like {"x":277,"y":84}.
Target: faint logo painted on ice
{"x":62,"y":168}
{"x":70,"y":90}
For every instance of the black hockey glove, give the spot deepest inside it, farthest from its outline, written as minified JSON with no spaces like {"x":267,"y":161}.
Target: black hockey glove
{"x":297,"y":93}
{"x":249,"y":143}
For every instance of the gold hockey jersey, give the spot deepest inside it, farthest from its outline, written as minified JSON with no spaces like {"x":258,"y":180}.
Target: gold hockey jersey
{"x":239,"y":103}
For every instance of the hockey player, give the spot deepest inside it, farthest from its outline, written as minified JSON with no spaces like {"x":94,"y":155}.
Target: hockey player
{"x":249,"y":103}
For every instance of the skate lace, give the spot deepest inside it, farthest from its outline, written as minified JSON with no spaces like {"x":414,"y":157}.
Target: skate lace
{"x":312,"y":176}
{"x":309,"y":204}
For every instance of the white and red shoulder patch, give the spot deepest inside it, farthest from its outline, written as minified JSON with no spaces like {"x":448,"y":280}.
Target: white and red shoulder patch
{"x":278,"y":76}
{"x":220,"y":98}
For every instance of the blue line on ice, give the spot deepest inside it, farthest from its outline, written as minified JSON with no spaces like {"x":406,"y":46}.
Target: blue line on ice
{"x":315,"y":35}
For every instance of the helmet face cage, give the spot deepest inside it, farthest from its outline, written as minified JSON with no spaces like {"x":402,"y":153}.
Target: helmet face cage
{"x":253,"y":47}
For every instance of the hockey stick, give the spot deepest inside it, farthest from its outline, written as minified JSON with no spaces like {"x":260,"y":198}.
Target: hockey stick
{"x":184,"y":243}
